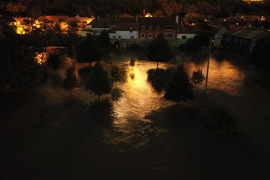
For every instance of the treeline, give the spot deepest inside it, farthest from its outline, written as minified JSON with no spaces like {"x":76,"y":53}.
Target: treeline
{"x":34,"y":8}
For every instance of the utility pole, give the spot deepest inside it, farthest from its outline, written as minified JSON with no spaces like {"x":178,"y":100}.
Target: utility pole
{"x":208,"y":61}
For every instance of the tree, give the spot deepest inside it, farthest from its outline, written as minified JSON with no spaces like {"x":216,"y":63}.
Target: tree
{"x":88,"y":51}
{"x":99,"y":82}
{"x":197,"y":77}
{"x":104,"y":40}
{"x":71,"y":81}
{"x":118,"y":75}
{"x":179,"y":87}
{"x":18,"y":69}
{"x":53,"y":61}
{"x":158,"y":50}
{"x":260,"y":53}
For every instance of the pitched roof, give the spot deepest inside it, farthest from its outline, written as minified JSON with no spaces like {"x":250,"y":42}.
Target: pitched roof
{"x":127,"y":16}
{"x":54,"y":18}
{"x":190,"y":29}
{"x":248,"y":33}
{"x":126,"y":24}
{"x":163,"y":22}
{"x":103,"y":22}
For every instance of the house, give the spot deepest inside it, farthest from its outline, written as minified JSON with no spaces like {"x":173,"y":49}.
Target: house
{"x":244,"y":39}
{"x":125,"y":28}
{"x":149,"y":28}
{"x":217,"y":33}
{"x":188,"y":32}
{"x":101,"y":24}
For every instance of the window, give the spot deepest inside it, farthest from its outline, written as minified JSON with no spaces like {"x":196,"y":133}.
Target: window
{"x":130,"y":29}
{"x":113,"y":36}
{"x":150,"y":27}
{"x":131,"y":37}
{"x":142,"y":35}
{"x":158,"y":27}
{"x":184,"y":37}
{"x":119,"y":37}
{"x":168,"y":35}
{"x":150,"y":35}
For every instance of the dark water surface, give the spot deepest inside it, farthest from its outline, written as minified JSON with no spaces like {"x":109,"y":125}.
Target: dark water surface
{"x":45,"y":134}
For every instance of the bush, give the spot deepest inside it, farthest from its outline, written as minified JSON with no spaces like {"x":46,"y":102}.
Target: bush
{"x":218,"y":120}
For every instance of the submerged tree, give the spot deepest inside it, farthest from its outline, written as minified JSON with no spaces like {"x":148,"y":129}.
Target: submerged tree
{"x":118,"y":74}
{"x":53,"y":61}
{"x":99,"y":82}
{"x":179,"y":87}
{"x":71,"y":81}
{"x":18,"y":69}
{"x":104,"y":40}
{"x":260,"y":53}
{"x":88,"y":51}
{"x":159,"y":50}
{"x":197,"y":77}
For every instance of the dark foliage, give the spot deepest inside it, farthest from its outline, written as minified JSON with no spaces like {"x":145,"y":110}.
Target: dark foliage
{"x":88,"y":51}
{"x":53,"y":61}
{"x":116,"y":94}
{"x":158,"y":50}
{"x":104,"y":40}
{"x":71,"y":81}
{"x":158,"y":78}
{"x":19,"y":70}
{"x":260,"y":54}
{"x":118,"y":74}
{"x":85,"y":72}
{"x":99,"y":82}
{"x":179,"y":87}
{"x":218,"y":120}
{"x":197,"y":77}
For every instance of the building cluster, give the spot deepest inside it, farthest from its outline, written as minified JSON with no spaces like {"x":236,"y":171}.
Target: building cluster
{"x":25,"y":25}
{"x":238,"y":32}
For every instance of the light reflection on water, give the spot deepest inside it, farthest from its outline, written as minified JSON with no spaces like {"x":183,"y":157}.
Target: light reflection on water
{"x":138,"y":100}
{"x":223,"y":75}
{"x":129,"y":124}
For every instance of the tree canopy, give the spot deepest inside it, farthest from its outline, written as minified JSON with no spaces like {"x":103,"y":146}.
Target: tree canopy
{"x":88,"y":51}
{"x":158,"y":50}
{"x":99,"y":82}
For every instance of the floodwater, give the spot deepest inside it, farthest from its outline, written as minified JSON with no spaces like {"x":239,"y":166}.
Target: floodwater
{"x":46,"y":134}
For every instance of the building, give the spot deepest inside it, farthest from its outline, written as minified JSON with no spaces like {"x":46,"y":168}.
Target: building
{"x":149,"y":28}
{"x":125,"y":28}
{"x":188,"y":32}
{"x":101,"y":24}
{"x":243,"y":40}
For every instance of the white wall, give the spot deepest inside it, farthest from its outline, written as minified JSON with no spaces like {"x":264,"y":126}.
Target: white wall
{"x":189,"y":36}
{"x":124,"y":35}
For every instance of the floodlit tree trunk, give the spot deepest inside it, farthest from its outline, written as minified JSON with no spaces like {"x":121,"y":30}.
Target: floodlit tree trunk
{"x":157,"y":64}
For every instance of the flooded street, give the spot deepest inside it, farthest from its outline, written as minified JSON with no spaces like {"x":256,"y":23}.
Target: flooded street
{"x":46,"y":134}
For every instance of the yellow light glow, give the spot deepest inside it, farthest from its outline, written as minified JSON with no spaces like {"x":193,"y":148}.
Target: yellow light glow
{"x":20,"y":30}
{"x":40,"y":58}
{"x":148,"y":15}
